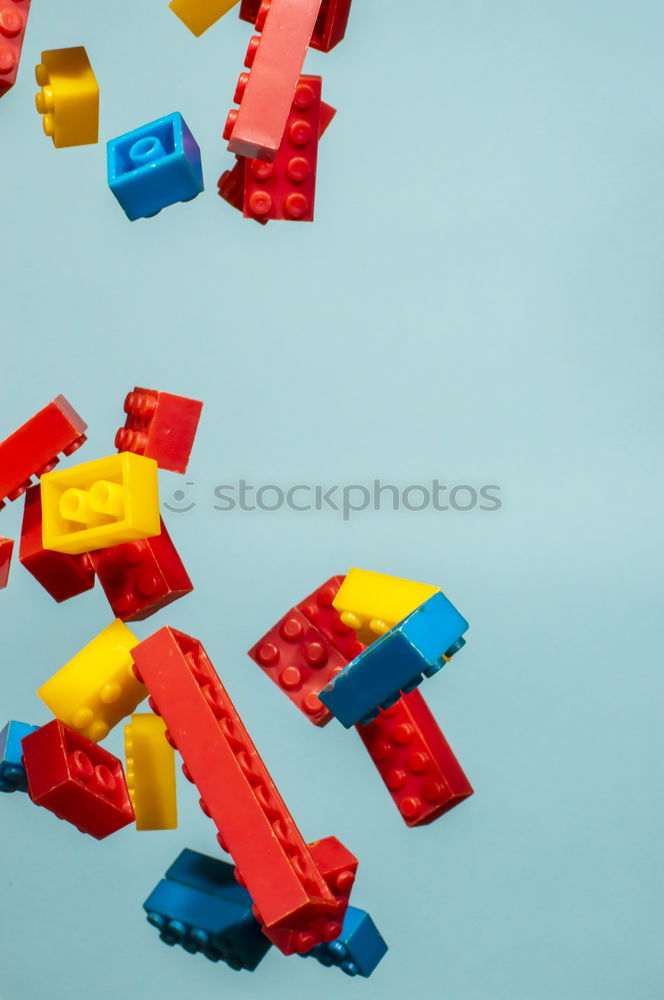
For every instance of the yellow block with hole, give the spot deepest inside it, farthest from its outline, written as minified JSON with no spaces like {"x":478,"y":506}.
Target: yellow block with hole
{"x":69,"y":97}
{"x":372,"y":603}
{"x":199,"y":15}
{"x":97,"y":688}
{"x":101,"y":503}
{"x":150,"y":770}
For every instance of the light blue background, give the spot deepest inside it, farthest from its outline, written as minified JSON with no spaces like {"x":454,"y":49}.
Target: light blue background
{"x":480,"y":299}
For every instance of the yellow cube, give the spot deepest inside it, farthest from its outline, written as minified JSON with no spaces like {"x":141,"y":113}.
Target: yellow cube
{"x":199,"y":15}
{"x":97,"y":688}
{"x":372,"y":603}
{"x":69,"y":97}
{"x":150,"y":770}
{"x":101,"y":503}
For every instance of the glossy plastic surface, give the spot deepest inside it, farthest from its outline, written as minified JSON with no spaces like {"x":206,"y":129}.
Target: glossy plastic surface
{"x":97,"y":688}
{"x":160,"y":425}
{"x":106,"y":502}
{"x":266,"y":93}
{"x":77,"y":780}
{"x":150,"y":770}
{"x":69,"y":97}
{"x":415,"y":648}
{"x":154,"y":166}
{"x":140,"y":578}
{"x":236,"y":789}
{"x":62,"y":575}
{"x":36,"y":446}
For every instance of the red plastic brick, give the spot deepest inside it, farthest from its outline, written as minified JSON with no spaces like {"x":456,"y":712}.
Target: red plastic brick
{"x":286,"y":187}
{"x":231,"y":187}
{"x":77,"y":780}
{"x":301,"y":661}
{"x":338,"y":867}
{"x":62,"y":575}
{"x":237,"y":792}
{"x":231,"y":183}
{"x":35,"y":447}
{"x":330,"y":25}
{"x":415,"y":761}
{"x":139,"y":578}
{"x":327,"y":113}
{"x":266,"y":93}
{"x":161,"y":426}
{"x":6,"y":549}
{"x":13,"y":20}
{"x":318,"y":608}
{"x":249,"y":10}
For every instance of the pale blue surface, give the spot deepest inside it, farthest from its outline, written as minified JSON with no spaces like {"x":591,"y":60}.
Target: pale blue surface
{"x":480,"y":301}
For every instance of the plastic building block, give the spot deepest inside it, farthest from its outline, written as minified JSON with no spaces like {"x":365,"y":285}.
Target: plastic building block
{"x":209,"y":875}
{"x":154,"y":166}
{"x":12,"y":773}
{"x":249,"y":10}
{"x":230,"y":187}
{"x":338,"y":867}
{"x":97,"y":688}
{"x":77,"y":780}
{"x":301,"y":661}
{"x":34,"y":448}
{"x":150,"y":770}
{"x":286,"y":187}
{"x":372,"y":603}
{"x":13,"y":20}
{"x":61,"y":575}
{"x":319,"y":609}
{"x":266,"y":93}
{"x":139,"y":578}
{"x":69,"y":98}
{"x":199,"y":15}
{"x":106,"y":502}
{"x":358,"y":949}
{"x":211,"y":924}
{"x":237,"y":792}
{"x":416,"y":647}
{"x":6,"y":549}
{"x":330,"y":25}
{"x":231,"y":183}
{"x":415,"y":761}
{"x":161,"y":426}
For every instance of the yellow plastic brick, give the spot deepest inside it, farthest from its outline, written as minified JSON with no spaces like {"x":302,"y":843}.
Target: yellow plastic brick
{"x":69,"y":97}
{"x":101,"y":503}
{"x":199,"y":15}
{"x":97,"y":688}
{"x":372,"y":603}
{"x":150,"y":770}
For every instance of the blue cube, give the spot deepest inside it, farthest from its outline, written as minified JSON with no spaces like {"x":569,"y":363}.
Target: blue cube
{"x":358,"y":949}
{"x":12,"y":772}
{"x":154,"y":166}
{"x":416,"y":647}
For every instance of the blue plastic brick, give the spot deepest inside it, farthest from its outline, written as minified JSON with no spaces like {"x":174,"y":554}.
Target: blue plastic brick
{"x":154,"y":166}
{"x":398,"y":661}
{"x":209,"y":875}
{"x":12,"y":772}
{"x":201,"y":922}
{"x":358,"y":949}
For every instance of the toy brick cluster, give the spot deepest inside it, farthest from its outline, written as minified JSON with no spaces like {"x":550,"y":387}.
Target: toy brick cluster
{"x":273,"y":131}
{"x":356,"y":649}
